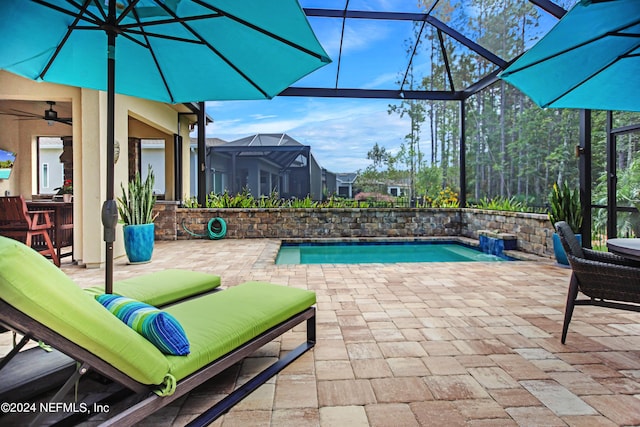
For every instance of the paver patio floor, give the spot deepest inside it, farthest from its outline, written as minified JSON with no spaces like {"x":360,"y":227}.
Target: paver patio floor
{"x":429,"y":344}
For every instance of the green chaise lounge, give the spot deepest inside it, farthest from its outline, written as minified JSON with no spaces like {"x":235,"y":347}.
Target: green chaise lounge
{"x":31,"y":372}
{"x":224,"y":327}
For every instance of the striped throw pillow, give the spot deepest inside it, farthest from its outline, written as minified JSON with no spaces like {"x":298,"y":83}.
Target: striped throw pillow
{"x":160,"y":328}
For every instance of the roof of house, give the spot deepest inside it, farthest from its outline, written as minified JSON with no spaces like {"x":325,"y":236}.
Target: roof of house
{"x":266,"y":140}
{"x":347,"y":178}
{"x":208,"y":142}
{"x":280,"y":149}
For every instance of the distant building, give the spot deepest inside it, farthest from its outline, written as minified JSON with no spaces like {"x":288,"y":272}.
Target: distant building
{"x":345,"y":183}
{"x":264,"y":163}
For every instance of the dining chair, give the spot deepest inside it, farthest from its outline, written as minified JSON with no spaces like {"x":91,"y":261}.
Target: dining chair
{"x":30,"y":227}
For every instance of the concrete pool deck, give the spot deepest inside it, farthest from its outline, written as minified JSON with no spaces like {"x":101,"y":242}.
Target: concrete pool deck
{"x":474,"y":344}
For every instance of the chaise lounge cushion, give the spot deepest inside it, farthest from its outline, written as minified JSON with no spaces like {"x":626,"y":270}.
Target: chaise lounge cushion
{"x":220,"y":322}
{"x":161,"y":329}
{"x":33,"y":285}
{"x":162,"y":287}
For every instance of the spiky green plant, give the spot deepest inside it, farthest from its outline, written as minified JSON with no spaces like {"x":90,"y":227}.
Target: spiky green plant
{"x":499,"y":203}
{"x":190,"y":202}
{"x":137,"y":201}
{"x":305,"y":203}
{"x":565,"y":206}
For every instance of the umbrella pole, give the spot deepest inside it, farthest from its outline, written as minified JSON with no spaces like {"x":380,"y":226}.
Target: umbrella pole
{"x":109,"y":208}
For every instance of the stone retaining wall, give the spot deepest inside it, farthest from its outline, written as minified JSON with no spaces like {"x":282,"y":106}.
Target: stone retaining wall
{"x":532,"y":230}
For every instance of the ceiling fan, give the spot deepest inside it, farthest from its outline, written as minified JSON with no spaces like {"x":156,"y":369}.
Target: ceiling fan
{"x":50,"y":115}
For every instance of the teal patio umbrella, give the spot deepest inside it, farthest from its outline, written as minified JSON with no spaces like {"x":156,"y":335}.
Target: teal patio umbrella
{"x":590,"y":59}
{"x":166,"y":50}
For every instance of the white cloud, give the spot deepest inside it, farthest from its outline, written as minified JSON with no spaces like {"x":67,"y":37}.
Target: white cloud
{"x":359,"y":35}
{"x":263,"y":116}
{"x":383,"y":80}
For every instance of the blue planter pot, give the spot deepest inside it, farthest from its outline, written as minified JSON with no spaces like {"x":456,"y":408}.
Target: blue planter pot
{"x":558,"y":250}
{"x":138,"y":242}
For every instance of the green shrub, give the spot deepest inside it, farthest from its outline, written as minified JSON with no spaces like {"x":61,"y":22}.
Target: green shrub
{"x":445,"y":198}
{"x":499,"y":203}
{"x":137,"y":201}
{"x":565,"y":206}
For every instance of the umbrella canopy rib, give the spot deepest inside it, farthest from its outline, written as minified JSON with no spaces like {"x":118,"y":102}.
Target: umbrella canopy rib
{"x":265,"y":32}
{"x":78,"y":16}
{"x":155,"y":59}
{"x":617,"y":32}
{"x":588,"y":60}
{"x":590,"y":76}
{"x":220,"y":54}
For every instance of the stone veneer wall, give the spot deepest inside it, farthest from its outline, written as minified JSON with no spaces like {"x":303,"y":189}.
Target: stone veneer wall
{"x":533,"y":231}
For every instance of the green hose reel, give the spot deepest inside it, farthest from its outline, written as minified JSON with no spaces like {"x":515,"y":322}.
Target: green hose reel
{"x":216,"y":229}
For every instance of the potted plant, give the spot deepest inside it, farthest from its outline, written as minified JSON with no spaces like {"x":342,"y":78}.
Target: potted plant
{"x":565,"y":206}
{"x":136,"y":212}
{"x":66,"y":190}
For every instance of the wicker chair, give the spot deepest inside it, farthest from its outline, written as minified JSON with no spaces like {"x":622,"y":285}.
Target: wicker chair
{"x":607,"y":279}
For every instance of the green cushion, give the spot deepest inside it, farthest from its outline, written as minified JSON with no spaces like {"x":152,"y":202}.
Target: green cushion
{"x":220,"y":322}
{"x":162,"y":287}
{"x":160,"y":328}
{"x":32,"y":284}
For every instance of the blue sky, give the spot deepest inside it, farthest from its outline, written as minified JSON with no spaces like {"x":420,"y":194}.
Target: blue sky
{"x":339,"y":131}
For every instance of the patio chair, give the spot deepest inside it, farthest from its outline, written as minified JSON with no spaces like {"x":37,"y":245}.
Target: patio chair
{"x":17,"y":222}
{"x":607,"y":279}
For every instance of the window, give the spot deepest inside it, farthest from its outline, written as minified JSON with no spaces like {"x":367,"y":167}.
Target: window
{"x":152,"y":153}
{"x":50,"y":165}
{"x":44,"y":177}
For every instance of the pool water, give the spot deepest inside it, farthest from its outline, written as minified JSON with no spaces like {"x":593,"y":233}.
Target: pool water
{"x":380,"y":252}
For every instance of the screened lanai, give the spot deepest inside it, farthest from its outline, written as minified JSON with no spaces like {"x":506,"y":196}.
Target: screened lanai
{"x":266,"y":162}
{"x":440,"y":72}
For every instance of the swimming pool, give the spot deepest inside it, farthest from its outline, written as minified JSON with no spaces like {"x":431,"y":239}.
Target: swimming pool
{"x":380,"y":252}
